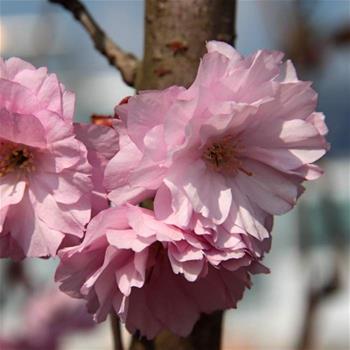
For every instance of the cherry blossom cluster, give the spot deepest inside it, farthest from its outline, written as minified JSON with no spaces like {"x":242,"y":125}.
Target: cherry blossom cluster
{"x":47,"y":317}
{"x":194,"y":177}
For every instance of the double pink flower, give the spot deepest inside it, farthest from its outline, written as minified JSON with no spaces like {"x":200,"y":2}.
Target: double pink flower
{"x":230,"y":151}
{"x":215,"y":162}
{"x":154,"y":275}
{"x":46,"y":181}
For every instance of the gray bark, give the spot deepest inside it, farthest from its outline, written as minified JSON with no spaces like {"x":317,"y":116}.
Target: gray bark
{"x":175,"y":35}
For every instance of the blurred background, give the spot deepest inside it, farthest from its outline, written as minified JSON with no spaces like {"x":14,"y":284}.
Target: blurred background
{"x":304,"y":304}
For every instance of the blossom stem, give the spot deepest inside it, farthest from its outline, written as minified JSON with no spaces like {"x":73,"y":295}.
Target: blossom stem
{"x":117,"y":337}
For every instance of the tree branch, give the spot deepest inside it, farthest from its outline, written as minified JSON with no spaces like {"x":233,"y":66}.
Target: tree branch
{"x":125,"y":62}
{"x":117,"y":337}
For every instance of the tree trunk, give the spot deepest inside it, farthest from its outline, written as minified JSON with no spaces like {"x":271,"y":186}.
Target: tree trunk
{"x":175,"y":35}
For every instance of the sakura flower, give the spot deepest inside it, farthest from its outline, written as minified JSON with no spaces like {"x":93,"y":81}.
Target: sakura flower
{"x":231,"y":151}
{"x":44,"y":174}
{"x":48,"y":316}
{"x":153,"y":275}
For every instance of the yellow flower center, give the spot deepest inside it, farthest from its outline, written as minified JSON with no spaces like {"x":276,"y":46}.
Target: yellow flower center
{"x":15,"y":157}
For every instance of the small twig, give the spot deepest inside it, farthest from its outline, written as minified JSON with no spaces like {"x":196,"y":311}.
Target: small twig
{"x":126,"y":63}
{"x":117,"y":336}
{"x":314,"y":300}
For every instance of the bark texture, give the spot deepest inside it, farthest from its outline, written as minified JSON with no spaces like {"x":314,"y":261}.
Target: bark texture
{"x":175,"y":35}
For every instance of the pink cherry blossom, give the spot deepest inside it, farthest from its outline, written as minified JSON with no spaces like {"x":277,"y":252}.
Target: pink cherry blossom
{"x":155,"y":276}
{"x":48,"y":316}
{"x":45,"y":179}
{"x":231,"y":151}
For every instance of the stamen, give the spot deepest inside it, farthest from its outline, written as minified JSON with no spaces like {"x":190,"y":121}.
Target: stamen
{"x":15,"y":157}
{"x":223,"y":156}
